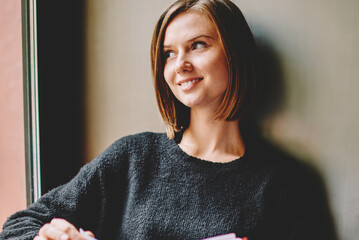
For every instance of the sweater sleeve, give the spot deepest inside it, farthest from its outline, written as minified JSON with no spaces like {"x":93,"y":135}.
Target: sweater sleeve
{"x":82,"y":201}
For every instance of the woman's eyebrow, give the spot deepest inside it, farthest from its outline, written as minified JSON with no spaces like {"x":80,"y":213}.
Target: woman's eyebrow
{"x":193,"y":39}
{"x":200,"y":36}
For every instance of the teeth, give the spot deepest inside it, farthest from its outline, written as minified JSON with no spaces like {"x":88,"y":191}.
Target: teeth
{"x":189,"y":82}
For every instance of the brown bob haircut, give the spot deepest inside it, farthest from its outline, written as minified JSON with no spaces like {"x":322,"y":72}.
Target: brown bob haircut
{"x":240,"y":51}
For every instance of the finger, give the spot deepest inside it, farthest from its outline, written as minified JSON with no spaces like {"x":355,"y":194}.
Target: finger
{"x":90,"y":233}
{"x":39,"y":238}
{"x":87,"y":235}
{"x":49,"y":231}
{"x":66,"y":227}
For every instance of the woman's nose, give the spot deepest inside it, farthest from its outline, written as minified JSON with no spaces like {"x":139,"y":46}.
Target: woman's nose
{"x":183,"y":64}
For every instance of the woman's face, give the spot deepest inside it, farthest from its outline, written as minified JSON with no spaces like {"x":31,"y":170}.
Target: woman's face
{"x":195,"y":66}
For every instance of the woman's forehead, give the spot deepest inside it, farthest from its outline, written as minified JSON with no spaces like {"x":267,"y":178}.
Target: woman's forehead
{"x":188,"y":25}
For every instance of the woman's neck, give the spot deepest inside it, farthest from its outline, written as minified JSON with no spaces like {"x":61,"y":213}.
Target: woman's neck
{"x":212,"y":140}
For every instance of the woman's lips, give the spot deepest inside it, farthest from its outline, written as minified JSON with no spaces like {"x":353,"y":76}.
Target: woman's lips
{"x":189,"y":83}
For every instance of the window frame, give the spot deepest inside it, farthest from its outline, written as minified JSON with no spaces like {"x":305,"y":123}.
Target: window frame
{"x":31,"y":100}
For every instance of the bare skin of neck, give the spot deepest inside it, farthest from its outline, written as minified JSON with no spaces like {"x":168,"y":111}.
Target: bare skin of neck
{"x":212,"y":140}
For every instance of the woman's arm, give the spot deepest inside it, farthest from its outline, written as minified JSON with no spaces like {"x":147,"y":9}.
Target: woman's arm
{"x":83,"y":201}
{"x":71,"y":201}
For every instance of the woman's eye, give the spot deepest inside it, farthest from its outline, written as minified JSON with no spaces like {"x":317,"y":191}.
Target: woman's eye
{"x":169,"y":54}
{"x":199,"y":45}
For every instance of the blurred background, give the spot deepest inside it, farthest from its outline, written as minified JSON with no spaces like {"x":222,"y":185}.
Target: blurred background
{"x":95,"y":86}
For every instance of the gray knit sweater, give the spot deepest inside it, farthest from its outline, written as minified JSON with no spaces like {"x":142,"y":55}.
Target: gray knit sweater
{"x":145,"y":187}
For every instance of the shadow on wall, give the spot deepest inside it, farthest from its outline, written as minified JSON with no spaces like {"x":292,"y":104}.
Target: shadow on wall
{"x":270,"y":100}
{"x":272,"y":92}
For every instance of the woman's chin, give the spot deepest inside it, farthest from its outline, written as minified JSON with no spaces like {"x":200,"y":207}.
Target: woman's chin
{"x":191,"y":104}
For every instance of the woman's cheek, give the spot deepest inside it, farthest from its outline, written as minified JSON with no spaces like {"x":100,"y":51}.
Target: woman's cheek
{"x":168,"y":74}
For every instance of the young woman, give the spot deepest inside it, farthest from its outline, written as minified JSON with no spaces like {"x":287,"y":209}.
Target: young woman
{"x":204,"y":177}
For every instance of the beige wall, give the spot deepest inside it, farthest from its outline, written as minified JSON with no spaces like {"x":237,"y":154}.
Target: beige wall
{"x":315,"y":44}
{"x":119,"y":95}
{"x":12,"y":155}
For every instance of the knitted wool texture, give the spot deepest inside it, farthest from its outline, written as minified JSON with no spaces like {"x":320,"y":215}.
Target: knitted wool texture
{"x":145,"y":187}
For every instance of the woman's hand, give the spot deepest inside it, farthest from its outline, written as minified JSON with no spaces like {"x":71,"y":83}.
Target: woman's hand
{"x":60,"y":229}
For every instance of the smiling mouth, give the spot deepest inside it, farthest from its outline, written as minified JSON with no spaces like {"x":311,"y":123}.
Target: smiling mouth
{"x":190,"y":82}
